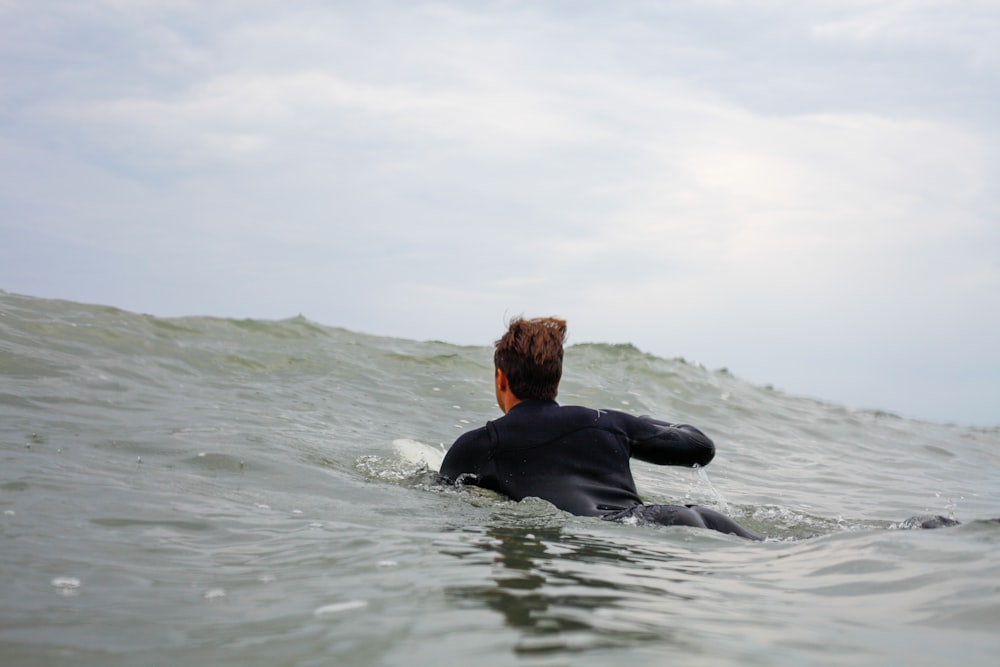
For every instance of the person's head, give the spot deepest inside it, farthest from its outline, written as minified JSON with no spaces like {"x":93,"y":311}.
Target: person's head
{"x":528,"y":358}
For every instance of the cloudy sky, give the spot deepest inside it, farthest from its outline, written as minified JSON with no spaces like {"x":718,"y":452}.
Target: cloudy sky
{"x":805,"y":193}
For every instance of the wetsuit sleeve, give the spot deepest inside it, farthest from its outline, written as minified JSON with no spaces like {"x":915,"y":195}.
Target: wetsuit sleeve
{"x":467,"y":456}
{"x":666,"y":444}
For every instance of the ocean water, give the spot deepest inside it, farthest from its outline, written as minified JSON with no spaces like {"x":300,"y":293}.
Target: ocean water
{"x":203,"y":491}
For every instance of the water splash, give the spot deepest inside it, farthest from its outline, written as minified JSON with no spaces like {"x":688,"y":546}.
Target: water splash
{"x":214,"y":594}
{"x":66,"y":585}
{"x":339,"y":607}
{"x":714,"y":493}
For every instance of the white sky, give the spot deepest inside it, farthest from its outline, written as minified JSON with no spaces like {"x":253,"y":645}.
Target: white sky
{"x":802,"y":192}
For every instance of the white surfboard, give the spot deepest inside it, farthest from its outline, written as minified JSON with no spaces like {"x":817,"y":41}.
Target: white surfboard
{"x":418,"y":453}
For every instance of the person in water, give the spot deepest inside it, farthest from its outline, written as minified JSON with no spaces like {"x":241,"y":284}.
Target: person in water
{"x":574,"y":457}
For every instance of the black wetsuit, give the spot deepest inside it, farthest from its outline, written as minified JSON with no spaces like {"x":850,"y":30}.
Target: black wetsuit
{"x":578,"y":459}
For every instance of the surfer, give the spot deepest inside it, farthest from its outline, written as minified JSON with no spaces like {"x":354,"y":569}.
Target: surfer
{"x":574,"y":457}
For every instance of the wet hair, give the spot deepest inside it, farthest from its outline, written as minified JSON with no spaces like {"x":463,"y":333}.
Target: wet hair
{"x":530,"y":354}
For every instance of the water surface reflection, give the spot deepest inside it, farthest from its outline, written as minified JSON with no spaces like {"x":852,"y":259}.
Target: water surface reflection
{"x":575,"y":591}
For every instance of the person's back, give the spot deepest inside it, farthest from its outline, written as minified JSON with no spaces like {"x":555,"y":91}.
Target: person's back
{"x":569,"y":456}
{"x":574,"y":457}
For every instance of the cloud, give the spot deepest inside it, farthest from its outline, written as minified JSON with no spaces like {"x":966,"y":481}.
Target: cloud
{"x":783,"y":189}
{"x":967,"y":27}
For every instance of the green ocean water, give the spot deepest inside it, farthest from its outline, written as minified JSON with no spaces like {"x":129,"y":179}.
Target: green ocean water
{"x":227,"y":492}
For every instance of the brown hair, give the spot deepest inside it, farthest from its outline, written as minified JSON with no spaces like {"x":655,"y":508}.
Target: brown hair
{"x":530,"y":354}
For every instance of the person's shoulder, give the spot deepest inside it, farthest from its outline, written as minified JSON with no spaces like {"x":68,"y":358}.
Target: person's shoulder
{"x":597,"y":415}
{"x":477,"y":437}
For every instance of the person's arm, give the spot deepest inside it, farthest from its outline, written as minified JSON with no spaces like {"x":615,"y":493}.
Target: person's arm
{"x":666,"y":444}
{"x":465,"y":457}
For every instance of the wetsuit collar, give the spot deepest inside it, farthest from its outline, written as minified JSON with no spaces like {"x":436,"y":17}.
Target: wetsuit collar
{"x":530,"y":403}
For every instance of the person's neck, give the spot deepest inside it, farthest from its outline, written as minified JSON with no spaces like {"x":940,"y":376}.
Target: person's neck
{"x":509,"y":401}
